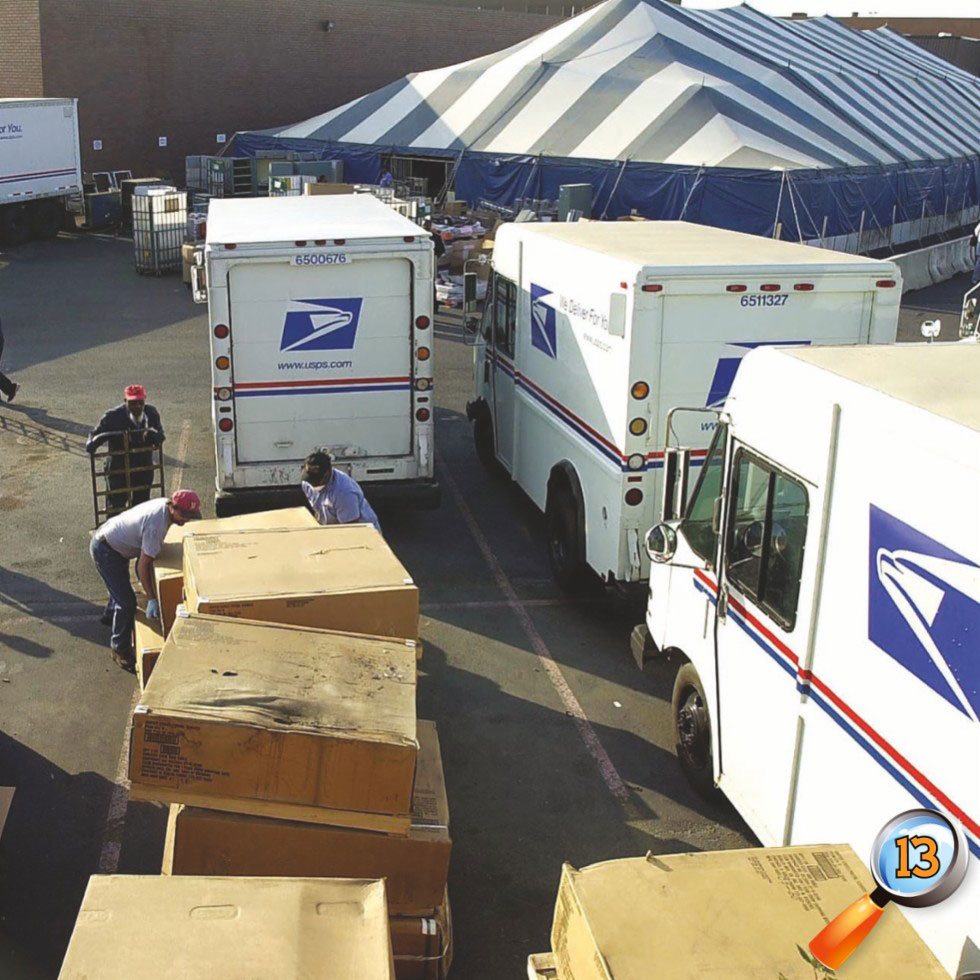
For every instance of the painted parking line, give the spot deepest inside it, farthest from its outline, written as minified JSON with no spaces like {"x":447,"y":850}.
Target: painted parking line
{"x":610,"y":775}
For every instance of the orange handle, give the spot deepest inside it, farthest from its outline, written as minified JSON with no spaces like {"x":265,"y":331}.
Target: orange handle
{"x":842,"y":935}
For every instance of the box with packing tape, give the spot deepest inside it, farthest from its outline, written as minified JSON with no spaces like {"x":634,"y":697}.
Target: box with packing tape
{"x":745,"y":913}
{"x":279,"y":721}
{"x":168,"y":566}
{"x":149,"y":644}
{"x":415,"y":868}
{"x":423,"y":945}
{"x":136,"y":927}
{"x":342,"y":577}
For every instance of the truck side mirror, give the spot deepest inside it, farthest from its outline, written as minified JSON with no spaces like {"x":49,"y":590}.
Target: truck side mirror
{"x":676,"y":469}
{"x":661,"y":543}
{"x":469,"y":293}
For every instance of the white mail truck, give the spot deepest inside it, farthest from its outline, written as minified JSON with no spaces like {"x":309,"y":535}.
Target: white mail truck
{"x":592,"y":330}
{"x":320,"y":312}
{"x":40,"y":167}
{"x":820,"y":599}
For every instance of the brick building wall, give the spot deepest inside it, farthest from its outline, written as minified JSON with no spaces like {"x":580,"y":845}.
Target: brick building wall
{"x":188,"y":70}
{"x":20,"y":49}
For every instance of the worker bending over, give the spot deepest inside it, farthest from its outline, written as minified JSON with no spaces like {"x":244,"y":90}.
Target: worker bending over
{"x":334,"y":496}
{"x":135,"y":533}
{"x":131,"y":430}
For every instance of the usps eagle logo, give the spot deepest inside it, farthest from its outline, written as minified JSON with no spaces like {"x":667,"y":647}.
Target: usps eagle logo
{"x":924,"y":609}
{"x":544,"y":321}
{"x":320,"y":324}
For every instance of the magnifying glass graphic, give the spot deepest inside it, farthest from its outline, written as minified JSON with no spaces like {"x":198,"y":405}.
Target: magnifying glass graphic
{"x":919,"y":858}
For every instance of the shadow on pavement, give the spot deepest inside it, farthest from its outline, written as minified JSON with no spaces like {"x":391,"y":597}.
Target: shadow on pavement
{"x":32,"y":597}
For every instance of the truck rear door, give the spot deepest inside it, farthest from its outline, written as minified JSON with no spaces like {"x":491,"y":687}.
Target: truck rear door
{"x":322,"y":357}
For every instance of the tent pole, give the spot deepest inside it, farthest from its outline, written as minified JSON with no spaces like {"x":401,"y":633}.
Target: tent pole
{"x":690,"y":193}
{"x":776,"y":227}
{"x":615,"y":187}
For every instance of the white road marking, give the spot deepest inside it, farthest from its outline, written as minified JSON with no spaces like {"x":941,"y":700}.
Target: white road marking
{"x":115,"y":820}
{"x":185,"y":436}
{"x":608,"y":771}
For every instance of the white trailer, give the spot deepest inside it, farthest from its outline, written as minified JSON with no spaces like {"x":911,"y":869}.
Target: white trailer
{"x":593,"y":330}
{"x":820,"y":599}
{"x":40,"y":167}
{"x":321,"y":337}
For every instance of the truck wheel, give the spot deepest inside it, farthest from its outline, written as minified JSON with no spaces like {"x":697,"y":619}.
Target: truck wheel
{"x":564,"y":544}
{"x":15,"y":224}
{"x":483,"y":440}
{"x":47,"y":219}
{"x":692,"y":731}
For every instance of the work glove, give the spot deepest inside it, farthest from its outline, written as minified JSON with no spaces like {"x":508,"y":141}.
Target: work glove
{"x":153,"y":609}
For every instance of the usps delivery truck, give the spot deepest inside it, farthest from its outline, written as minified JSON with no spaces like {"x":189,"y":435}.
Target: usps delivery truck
{"x":320,"y":314}
{"x":40,"y":167}
{"x":592,"y":330}
{"x":820,"y":599}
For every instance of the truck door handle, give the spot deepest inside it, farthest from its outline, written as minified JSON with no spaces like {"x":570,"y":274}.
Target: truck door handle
{"x":722,"y":602}
{"x":486,"y":371}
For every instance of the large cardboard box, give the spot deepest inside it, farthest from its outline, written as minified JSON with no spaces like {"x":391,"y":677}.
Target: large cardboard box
{"x":279,"y":721}
{"x":341,"y":577}
{"x":136,"y":927}
{"x":423,"y":945}
{"x":415,"y":868}
{"x":315,"y":190}
{"x":149,"y":643}
{"x":746,"y":913}
{"x":168,"y":567}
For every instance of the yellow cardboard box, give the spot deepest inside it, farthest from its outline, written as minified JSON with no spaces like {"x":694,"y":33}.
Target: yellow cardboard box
{"x":149,"y":643}
{"x":279,"y":721}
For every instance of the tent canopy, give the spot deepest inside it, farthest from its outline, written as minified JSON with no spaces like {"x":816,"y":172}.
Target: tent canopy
{"x":646,"y":88}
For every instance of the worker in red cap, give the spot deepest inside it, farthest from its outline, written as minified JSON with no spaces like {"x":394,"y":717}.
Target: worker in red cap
{"x":131,"y":430}
{"x":136,"y":533}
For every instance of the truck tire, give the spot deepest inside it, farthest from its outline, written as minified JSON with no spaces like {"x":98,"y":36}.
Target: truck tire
{"x":486,"y":449}
{"x":15,"y":224}
{"x":47,"y":220}
{"x":692,"y":731}
{"x":565,"y":553}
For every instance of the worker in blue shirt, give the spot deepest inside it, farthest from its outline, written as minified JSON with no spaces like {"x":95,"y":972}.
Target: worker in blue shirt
{"x":334,"y":496}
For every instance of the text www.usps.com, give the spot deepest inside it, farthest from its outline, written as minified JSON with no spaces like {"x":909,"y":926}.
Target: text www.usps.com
{"x":313,"y":365}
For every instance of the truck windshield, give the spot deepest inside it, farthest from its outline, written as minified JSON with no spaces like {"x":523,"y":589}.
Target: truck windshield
{"x":697,"y":524}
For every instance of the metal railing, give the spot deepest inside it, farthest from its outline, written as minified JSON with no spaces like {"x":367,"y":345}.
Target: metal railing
{"x":109,"y":500}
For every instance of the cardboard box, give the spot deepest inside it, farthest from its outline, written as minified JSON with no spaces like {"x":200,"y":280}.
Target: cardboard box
{"x":423,"y":945}
{"x":279,"y":721}
{"x":137,"y":927}
{"x":149,"y":643}
{"x":326,"y":188}
{"x":541,"y":966}
{"x":746,"y":913}
{"x":415,"y":868}
{"x":168,"y":566}
{"x":342,"y":577}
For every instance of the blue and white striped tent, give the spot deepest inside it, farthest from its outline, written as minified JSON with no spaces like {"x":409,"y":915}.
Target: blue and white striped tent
{"x":729,"y":117}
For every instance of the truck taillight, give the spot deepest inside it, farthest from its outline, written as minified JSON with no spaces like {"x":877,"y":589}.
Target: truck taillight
{"x":421,"y":322}
{"x":299,"y":244}
{"x":885,"y":283}
{"x":423,"y":353}
{"x":653,"y":287}
{"x":422,"y":384}
{"x":222,"y":363}
{"x":320,"y":241}
{"x":770,"y":287}
{"x":422,"y":415}
{"x":638,"y":426}
{"x":221,"y":331}
{"x":735,"y":288}
{"x":340,"y":241}
{"x":230,"y":246}
{"x":409,"y":238}
{"x":634,"y":496}
{"x":223,"y":394}
{"x":635,"y":462}
{"x":226,"y":425}
{"x":640,"y":390}
{"x":803,"y":287}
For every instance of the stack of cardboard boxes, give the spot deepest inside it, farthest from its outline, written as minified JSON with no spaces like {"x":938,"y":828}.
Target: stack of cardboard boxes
{"x":278,"y":720}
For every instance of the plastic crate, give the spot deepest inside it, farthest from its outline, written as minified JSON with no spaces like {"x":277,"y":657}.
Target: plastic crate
{"x":159,"y":226}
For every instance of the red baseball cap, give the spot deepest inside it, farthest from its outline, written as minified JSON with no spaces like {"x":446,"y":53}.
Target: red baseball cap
{"x":133,"y":392}
{"x":188,"y":503}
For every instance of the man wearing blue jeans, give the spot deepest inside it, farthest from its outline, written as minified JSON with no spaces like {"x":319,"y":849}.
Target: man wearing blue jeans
{"x":136,"y":533}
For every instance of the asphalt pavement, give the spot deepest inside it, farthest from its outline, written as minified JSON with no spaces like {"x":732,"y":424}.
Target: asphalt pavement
{"x":556,"y":748}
